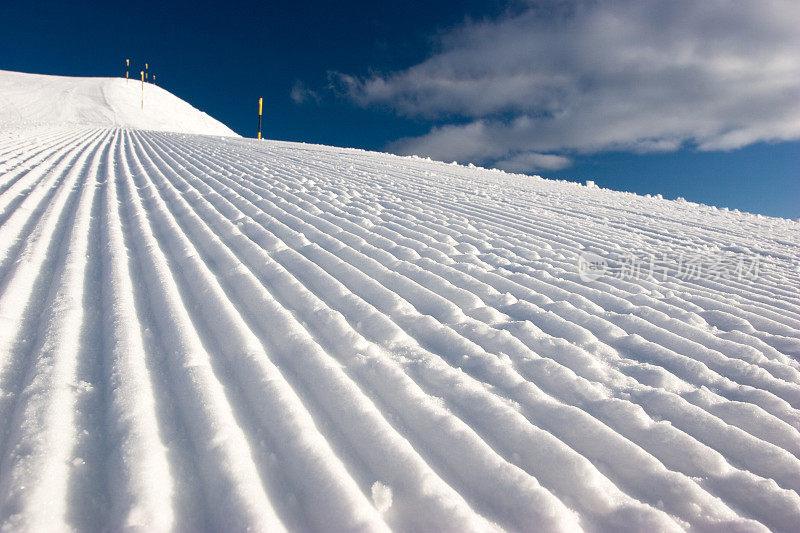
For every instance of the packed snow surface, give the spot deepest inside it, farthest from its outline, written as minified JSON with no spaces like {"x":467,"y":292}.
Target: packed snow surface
{"x":43,"y":99}
{"x":205,"y":333}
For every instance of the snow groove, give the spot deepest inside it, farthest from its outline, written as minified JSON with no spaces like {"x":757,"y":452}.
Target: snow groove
{"x":221,"y":334}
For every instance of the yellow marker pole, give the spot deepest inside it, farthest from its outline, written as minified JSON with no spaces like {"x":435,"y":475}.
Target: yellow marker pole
{"x":142,"y":89}
{"x":154,"y":79}
{"x":127,"y":66}
{"x":260,"y":109}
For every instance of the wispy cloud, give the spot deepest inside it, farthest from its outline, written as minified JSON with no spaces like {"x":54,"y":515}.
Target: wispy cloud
{"x":564,"y":78}
{"x":301,"y":94}
{"x":529,"y":161}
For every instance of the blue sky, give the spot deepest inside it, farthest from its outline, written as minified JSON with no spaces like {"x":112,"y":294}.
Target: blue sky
{"x":682,"y":98}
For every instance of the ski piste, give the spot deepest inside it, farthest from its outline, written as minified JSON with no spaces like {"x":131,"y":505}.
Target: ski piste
{"x":216,"y":333}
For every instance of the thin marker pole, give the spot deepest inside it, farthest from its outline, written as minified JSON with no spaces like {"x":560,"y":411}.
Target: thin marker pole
{"x":260,"y":108}
{"x":127,"y":66}
{"x":142,"y":89}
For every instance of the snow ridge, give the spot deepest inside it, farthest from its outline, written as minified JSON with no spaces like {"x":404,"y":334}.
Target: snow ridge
{"x":37,"y":99}
{"x":219,"y":334}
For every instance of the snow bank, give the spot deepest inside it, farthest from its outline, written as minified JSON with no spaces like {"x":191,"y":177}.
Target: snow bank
{"x":42,"y":99}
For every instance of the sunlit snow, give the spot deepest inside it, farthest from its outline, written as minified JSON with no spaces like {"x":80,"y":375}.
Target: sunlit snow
{"x":216,"y":333}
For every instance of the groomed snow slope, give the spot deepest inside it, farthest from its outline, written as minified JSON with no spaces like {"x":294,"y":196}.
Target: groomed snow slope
{"x":221,"y":334}
{"x":42,"y":99}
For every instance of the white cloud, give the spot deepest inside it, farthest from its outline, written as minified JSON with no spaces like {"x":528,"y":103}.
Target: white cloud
{"x":530,"y":161}
{"x":301,"y":94}
{"x":592,"y":76}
